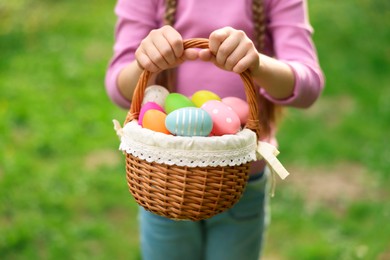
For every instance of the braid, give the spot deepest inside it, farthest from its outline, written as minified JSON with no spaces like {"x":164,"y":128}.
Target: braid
{"x":269,"y":111}
{"x":170,"y":12}
{"x":259,"y":23}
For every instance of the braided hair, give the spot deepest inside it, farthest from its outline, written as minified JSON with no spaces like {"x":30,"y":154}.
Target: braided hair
{"x":269,"y":112}
{"x":170,"y":12}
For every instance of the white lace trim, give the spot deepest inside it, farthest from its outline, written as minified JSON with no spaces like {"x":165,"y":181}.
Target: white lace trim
{"x":226,"y":150}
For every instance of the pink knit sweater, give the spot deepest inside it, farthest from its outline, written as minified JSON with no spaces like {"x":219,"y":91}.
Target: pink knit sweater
{"x":288,"y":39}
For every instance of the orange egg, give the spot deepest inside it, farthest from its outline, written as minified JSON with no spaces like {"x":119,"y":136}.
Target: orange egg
{"x":155,"y":120}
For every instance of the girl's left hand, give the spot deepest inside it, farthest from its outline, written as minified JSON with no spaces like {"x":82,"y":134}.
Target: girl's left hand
{"x":231,"y":50}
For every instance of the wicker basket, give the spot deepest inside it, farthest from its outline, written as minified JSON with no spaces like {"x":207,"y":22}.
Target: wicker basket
{"x":188,"y":193}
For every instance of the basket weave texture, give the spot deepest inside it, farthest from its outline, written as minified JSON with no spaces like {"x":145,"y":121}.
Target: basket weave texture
{"x":182,"y":192}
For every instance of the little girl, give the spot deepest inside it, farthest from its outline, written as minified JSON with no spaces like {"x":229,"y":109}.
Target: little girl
{"x":271,"y":39}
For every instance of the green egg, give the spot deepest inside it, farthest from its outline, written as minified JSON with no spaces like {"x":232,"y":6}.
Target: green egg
{"x":175,"y":101}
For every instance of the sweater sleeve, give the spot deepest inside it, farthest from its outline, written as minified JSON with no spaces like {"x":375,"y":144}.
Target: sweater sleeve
{"x":292,"y":42}
{"x":135,"y":20}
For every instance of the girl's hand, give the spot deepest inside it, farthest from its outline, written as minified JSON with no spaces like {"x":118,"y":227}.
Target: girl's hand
{"x":163,"y":49}
{"x":231,"y":50}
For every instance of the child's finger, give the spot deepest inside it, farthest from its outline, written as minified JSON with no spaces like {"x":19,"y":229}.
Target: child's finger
{"x":164,"y":56}
{"x":157,"y":54}
{"x":174,"y":40}
{"x":228,"y":48}
{"x":234,"y":58}
{"x":146,"y":63}
{"x":215,"y":40}
{"x":246,"y":62}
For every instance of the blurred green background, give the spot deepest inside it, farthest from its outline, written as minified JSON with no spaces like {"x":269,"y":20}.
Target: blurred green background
{"x":63,"y":193}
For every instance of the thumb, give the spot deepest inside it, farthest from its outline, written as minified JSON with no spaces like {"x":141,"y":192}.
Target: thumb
{"x":205,"y":55}
{"x":191,"y":54}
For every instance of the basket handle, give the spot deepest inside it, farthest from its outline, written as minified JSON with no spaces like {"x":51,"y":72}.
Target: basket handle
{"x":252,"y":93}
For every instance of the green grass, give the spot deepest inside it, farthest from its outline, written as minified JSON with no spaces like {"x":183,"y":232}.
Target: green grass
{"x":63,"y":193}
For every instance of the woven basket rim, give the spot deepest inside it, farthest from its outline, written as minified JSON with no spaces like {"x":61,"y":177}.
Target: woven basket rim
{"x":226,"y":150}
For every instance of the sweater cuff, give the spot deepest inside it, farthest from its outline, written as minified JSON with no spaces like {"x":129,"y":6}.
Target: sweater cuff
{"x":307,"y":86}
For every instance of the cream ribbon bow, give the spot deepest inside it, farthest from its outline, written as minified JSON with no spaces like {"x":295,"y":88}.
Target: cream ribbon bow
{"x":269,"y":152}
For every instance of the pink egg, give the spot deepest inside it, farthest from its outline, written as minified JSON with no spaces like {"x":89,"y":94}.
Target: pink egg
{"x":239,"y":106}
{"x":147,"y":106}
{"x":225,"y":120}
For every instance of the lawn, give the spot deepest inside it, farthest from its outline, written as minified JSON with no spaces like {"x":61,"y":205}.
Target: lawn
{"x":63,"y":193}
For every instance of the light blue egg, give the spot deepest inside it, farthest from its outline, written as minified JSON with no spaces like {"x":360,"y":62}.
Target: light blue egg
{"x":189,"y":121}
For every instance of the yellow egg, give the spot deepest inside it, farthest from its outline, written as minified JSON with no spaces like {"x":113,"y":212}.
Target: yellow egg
{"x":155,"y":120}
{"x":202,"y":96}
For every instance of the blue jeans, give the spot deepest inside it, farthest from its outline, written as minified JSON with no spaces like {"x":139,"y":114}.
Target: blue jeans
{"x":232,"y":235}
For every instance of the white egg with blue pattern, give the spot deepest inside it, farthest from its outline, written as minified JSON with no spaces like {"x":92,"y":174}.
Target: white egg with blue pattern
{"x":156,"y":94}
{"x":189,"y":121}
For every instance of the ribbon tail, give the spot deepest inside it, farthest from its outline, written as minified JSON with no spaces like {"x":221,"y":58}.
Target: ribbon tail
{"x":273,"y":183}
{"x":269,"y":152}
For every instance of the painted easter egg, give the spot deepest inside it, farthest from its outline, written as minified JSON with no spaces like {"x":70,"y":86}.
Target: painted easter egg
{"x":156,"y":94}
{"x":175,"y":101}
{"x":239,"y":106}
{"x":189,"y":121}
{"x":225,"y":120}
{"x":155,"y":120}
{"x":147,"y":106}
{"x":202,"y":96}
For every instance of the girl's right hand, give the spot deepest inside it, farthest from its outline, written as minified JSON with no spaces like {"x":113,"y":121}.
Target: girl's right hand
{"x":163,"y":49}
